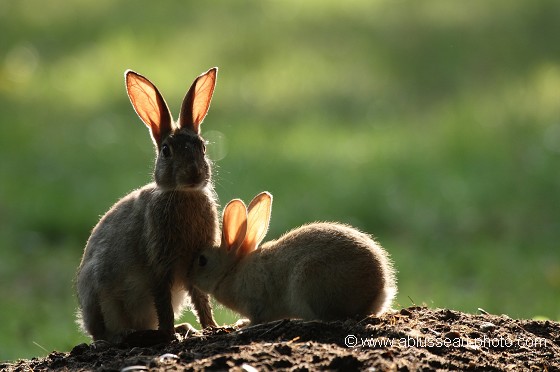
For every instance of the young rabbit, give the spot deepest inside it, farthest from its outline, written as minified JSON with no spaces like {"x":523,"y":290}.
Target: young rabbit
{"x":132,"y":275}
{"x":322,"y":271}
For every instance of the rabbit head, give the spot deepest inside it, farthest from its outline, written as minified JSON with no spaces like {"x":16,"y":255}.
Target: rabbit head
{"x":181,"y":161}
{"x":242,"y":231}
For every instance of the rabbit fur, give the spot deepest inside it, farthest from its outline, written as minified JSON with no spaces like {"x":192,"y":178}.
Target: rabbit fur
{"x":320,"y":271}
{"x":133,"y":275}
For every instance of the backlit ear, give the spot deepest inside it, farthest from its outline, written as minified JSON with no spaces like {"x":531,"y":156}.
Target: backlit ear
{"x":197,"y":101}
{"x":149,"y":105}
{"x":257,"y":221}
{"x":234,"y":225}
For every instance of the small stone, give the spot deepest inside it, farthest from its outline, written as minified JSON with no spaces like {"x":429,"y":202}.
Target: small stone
{"x":248,"y":368}
{"x":283,"y":349}
{"x":405,"y":312}
{"x":448,"y":314}
{"x":79,"y":349}
{"x":487,"y":326}
{"x":453,"y":335}
{"x":168,"y":358}
{"x":135,"y":368}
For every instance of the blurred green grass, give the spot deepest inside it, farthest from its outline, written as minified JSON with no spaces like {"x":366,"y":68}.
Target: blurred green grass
{"x":433,"y":125}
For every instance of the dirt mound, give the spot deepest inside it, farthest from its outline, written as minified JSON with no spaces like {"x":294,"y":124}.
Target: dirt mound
{"x":413,"y":338}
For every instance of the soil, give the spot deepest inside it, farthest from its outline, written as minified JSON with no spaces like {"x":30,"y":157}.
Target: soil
{"x":414,"y":338}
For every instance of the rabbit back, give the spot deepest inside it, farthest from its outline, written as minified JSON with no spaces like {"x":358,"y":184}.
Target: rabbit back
{"x":105,"y":287}
{"x":326,"y":271}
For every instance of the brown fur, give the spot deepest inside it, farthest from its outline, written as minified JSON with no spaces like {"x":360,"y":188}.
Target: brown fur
{"x":322,"y":271}
{"x":133,"y":272}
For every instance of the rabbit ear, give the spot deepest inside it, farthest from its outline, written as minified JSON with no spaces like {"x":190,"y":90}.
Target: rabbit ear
{"x":149,"y":105}
{"x":234,"y":226}
{"x":257,"y":221}
{"x":197,"y":101}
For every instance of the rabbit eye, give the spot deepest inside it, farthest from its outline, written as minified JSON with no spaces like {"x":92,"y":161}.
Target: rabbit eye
{"x":165,"y":151}
{"x":202,"y":260}
{"x":203,"y":144}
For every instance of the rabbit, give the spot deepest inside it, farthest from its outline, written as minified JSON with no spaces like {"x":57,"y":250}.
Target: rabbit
{"x":132,"y":273}
{"x":320,"y":271}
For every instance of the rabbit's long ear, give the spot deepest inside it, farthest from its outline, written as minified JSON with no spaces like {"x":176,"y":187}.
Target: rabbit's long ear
{"x":197,"y":101}
{"x":257,"y":221}
{"x":234,"y":226}
{"x":149,"y":105}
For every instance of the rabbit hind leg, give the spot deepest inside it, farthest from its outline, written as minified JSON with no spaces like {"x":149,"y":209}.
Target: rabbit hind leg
{"x":90,"y":319}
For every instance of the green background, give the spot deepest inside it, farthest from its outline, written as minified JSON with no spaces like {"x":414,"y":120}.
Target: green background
{"x":433,"y":125}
